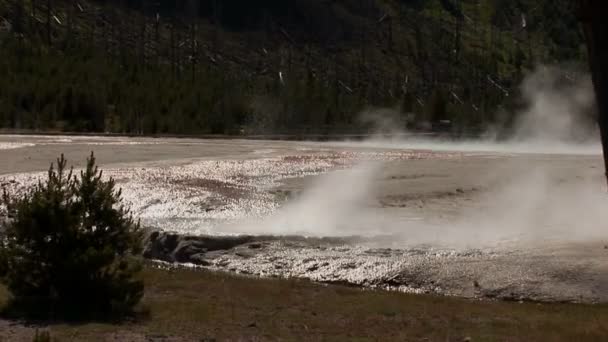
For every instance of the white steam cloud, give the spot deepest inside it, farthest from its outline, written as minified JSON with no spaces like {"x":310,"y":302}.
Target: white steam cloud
{"x":335,"y":204}
{"x":525,"y":201}
{"x":557,"y":117}
{"x":557,"y":109}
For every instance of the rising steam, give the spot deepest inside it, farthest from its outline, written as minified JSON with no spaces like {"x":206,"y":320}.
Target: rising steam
{"x":523,"y":201}
{"x":556,"y":117}
{"x":335,"y":204}
{"x":558,"y":108}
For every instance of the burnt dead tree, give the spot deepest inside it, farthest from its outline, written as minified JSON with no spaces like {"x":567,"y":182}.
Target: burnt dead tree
{"x":192,"y":8}
{"x":48,"y":22}
{"x":592,"y":16}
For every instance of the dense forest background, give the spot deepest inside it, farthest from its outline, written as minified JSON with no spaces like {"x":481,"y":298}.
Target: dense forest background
{"x":272,"y":66}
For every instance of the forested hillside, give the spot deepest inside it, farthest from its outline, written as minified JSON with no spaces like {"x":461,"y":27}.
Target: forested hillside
{"x":282,"y":66}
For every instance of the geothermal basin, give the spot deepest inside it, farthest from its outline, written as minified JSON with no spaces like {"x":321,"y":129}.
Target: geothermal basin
{"x":508,"y":221}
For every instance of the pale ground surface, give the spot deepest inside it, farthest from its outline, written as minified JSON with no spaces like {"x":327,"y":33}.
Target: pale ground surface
{"x":468,"y":222}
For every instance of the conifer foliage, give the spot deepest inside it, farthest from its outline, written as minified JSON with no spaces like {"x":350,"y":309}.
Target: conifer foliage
{"x":70,"y":247}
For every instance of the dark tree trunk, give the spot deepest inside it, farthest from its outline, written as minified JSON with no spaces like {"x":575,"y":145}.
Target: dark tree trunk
{"x":193,"y":10}
{"x":48,"y":22}
{"x":69,"y":28}
{"x":172,"y":49}
{"x":19,"y":9}
{"x":32,"y":16}
{"x":592,"y":15}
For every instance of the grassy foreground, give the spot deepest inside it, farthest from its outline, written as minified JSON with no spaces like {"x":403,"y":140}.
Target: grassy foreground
{"x":186,"y":305}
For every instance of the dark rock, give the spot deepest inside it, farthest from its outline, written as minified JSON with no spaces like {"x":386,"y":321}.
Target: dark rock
{"x":200,"y":259}
{"x":244,"y":252}
{"x":312,"y":268}
{"x":350,"y":265}
{"x":223,"y":263}
{"x":215,"y":254}
{"x":160,"y":246}
{"x":186,"y":249}
{"x":172,"y":247}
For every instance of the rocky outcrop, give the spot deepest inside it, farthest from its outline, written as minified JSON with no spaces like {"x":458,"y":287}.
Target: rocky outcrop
{"x":173,"y":247}
{"x":201,"y":249}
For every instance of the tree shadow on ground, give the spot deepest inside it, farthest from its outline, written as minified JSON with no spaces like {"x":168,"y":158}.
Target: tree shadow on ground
{"x":35,"y":315}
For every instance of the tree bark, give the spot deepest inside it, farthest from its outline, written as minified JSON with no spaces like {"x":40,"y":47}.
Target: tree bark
{"x":592,"y":15}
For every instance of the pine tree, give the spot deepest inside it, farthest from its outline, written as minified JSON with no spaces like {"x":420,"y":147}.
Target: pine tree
{"x":70,"y":248}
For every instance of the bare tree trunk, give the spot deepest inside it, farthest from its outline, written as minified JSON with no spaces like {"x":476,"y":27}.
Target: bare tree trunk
{"x":193,"y":49}
{"x":172,"y":48}
{"x":193,"y":10}
{"x":121,"y":45}
{"x":69,"y":28}
{"x":48,"y":21}
{"x":217,"y":18}
{"x":91,"y":16}
{"x":19,"y":28}
{"x":32,"y":16}
{"x":157,"y":37}
{"x":390,"y":34}
{"x":142,"y":41}
{"x":108,"y":31}
{"x":18,"y":17}
{"x":591,"y":14}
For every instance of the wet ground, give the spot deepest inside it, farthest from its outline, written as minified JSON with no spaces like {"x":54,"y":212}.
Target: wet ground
{"x":490,"y":221}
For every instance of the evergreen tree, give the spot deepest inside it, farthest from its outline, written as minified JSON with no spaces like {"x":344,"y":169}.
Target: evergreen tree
{"x":69,"y":247}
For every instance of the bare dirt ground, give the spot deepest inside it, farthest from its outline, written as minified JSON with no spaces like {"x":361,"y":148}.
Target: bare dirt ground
{"x":490,"y":222}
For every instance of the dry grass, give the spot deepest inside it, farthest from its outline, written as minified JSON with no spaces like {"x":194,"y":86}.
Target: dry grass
{"x":186,"y":305}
